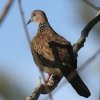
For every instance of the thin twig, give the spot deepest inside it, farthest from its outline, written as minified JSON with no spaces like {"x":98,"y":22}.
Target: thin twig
{"x":5,"y":10}
{"x":89,"y":60}
{"x":91,"y":5}
{"x":29,"y":41}
{"x":24,"y":22}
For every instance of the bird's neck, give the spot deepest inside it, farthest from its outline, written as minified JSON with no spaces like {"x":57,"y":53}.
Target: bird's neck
{"x":43,"y":26}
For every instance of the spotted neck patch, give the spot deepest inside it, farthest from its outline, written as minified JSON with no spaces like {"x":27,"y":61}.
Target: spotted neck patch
{"x":43,"y":26}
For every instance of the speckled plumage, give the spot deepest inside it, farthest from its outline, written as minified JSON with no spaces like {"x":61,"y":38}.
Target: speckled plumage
{"x":40,"y":43}
{"x":54,"y":54}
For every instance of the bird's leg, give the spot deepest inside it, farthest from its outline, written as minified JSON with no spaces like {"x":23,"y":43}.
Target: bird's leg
{"x":47,"y":79}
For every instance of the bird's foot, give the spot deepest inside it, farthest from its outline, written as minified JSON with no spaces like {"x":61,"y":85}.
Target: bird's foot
{"x":48,"y":81}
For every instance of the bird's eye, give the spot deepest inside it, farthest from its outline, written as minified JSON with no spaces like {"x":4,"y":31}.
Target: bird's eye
{"x":34,"y":14}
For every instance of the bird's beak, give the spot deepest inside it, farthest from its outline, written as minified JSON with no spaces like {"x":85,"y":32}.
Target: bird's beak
{"x":29,"y":21}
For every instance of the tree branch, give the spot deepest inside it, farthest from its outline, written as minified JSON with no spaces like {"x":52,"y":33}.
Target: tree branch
{"x":5,"y":11}
{"x":84,"y":34}
{"x":91,"y":5}
{"x":44,"y":89}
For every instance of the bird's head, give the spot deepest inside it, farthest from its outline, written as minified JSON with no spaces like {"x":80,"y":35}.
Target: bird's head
{"x":38,"y":16}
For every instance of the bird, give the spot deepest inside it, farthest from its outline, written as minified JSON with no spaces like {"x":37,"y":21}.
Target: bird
{"x":54,"y":54}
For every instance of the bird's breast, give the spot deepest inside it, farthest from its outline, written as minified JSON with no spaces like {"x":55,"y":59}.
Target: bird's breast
{"x":41,"y":46}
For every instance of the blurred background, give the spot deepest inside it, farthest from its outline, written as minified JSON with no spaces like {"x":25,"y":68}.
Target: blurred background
{"x":18,"y":72}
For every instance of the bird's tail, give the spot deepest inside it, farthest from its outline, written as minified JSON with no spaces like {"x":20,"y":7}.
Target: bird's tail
{"x":74,"y":79}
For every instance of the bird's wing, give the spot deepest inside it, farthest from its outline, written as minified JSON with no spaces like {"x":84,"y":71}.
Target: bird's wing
{"x":64,"y":53}
{"x":53,"y":51}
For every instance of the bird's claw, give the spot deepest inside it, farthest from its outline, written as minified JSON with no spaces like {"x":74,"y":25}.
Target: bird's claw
{"x":49,"y":82}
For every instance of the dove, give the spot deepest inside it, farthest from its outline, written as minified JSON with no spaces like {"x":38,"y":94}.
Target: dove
{"x":55,"y":53}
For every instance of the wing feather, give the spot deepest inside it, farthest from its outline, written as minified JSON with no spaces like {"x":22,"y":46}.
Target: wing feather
{"x":53,"y":50}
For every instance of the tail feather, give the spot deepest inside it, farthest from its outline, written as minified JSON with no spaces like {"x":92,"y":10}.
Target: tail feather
{"x":74,"y":79}
{"x":79,"y":86}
